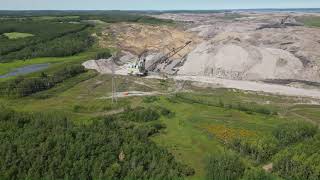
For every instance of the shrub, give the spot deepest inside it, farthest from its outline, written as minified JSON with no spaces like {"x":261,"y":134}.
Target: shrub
{"x":293,"y":132}
{"x":140,"y":114}
{"x":256,"y":174}
{"x":5,"y":114}
{"x":158,"y":126}
{"x":259,"y":149}
{"x":224,"y":166}
{"x":299,"y":161}
{"x":150,"y":99}
{"x":103,"y":55}
{"x":166,"y":112}
{"x":78,"y":108}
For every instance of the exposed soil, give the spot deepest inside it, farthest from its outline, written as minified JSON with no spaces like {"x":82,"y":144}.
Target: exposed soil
{"x":132,"y":94}
{"x":232,"y":52}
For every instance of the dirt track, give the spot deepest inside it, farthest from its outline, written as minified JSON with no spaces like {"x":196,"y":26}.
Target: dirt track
{"x":254,"y":86}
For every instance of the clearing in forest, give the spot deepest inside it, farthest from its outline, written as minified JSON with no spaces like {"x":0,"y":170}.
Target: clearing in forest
{"x":17,"y":35}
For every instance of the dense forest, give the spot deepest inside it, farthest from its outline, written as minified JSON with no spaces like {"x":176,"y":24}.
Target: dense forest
{"x":67,"y":45}
{"x":49,"y":39}
{"x":49,"y":146}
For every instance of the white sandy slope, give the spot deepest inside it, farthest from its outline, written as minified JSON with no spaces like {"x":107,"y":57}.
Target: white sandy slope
{"x":254,"y":86}
{"x":243,"y":62}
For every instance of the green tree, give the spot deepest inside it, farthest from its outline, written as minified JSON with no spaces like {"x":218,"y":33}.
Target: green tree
{"x":224,"y":166}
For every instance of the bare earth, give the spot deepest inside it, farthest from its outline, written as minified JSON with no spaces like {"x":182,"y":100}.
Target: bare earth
{"x":231,"y":52}
{"x":254,"y":86}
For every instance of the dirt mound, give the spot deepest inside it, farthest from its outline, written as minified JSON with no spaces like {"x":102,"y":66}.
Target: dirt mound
{"x":242,"y":61}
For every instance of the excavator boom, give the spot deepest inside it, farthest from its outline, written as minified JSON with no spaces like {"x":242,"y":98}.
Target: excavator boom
{"x":166,"y":57}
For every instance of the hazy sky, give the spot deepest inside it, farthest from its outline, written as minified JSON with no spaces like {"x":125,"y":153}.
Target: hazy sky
{"x":153,"y":4}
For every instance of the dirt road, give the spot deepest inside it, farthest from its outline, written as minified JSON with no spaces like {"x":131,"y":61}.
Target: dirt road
{"x":254,"y":86}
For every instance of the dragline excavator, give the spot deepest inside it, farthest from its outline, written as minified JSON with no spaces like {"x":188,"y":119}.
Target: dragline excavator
{"x":139,"y":67}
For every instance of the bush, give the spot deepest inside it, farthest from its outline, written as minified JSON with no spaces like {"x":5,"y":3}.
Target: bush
{"x":256,"y":174}
{"x":5,"y":113}
{"x":300,"y":161}
{"x":78,"y":108}
{"x":158,"y":126}
{"x":166,"y":112}
{"x":103,"y":55}
{"x":140,"y":114}
{"x":293,"y":132}
{"x":150,"y":99}
{"x":258,"y":149}
{"x":224,"y":166}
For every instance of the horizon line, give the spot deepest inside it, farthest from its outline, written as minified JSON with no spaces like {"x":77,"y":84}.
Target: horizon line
{"x":157,"y":9}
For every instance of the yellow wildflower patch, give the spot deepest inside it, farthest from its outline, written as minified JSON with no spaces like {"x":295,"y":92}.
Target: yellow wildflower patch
{"x":226,"y":134}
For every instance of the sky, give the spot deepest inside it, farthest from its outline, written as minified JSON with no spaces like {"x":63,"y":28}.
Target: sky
{"x":153,"y":4}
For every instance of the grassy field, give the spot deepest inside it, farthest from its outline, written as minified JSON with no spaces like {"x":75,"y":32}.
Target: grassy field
{"x":17,"y":35}
{"x":199,"y":130}
{"x":196,"y":130}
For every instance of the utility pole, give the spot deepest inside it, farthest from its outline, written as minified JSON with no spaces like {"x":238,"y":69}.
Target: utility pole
{"x":114,"y":86}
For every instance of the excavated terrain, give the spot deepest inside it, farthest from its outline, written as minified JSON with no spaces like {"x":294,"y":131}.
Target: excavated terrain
{"x":264,"y":47}
{"x":136,"y":38}
{"x":252,"y":47}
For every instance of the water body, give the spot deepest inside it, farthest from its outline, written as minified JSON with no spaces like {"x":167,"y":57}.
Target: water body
{"x":26,"y":70}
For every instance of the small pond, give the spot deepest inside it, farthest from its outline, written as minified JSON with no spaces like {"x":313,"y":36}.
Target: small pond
{"x":26,"y":70}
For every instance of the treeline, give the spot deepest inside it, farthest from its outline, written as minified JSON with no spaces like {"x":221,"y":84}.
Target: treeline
{"x":49,"y":146}
{"x":121,"y":16}
{"x":249,"y":108}
{"x":229,"y":166}
{"x":106,"y":16}
{"x":262,"y":149}
{"x":44,"y":33}
{"x":25,"y":86}
{"x":145,"y":114}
